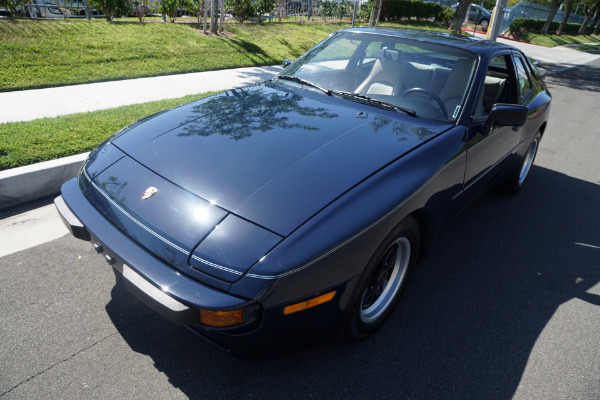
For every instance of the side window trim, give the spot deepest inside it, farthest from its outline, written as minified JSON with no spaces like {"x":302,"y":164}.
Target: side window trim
{"x":510,"y":70}
{"x":517,"y":56}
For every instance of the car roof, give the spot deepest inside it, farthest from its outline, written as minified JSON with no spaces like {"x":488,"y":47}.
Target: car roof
{"x":477,"y":45}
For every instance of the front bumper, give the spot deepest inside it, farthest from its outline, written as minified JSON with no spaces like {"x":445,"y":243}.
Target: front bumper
{"x":160,"y":287}
{"x":179,"y":298}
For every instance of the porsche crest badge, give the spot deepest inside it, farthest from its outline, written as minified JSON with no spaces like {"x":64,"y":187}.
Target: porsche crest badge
{"x":149,"y":192}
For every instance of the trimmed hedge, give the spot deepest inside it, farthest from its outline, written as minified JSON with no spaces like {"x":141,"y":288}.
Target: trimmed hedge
{"x":404,"y":9}
{"x":535,"y":25}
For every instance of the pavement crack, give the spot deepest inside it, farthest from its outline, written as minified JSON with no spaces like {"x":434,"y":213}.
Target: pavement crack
{"x":58,"y":363}
{"x":132,"y":323}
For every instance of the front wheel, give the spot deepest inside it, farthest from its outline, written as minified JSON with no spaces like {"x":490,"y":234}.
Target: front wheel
{"x":383,"y":281}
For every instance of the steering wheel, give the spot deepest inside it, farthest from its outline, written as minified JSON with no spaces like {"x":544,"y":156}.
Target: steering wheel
{"x":434,"y":96}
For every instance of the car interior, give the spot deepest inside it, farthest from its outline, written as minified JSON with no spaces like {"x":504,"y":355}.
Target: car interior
{"x":428,"y":82}
{"x":427,"y":78}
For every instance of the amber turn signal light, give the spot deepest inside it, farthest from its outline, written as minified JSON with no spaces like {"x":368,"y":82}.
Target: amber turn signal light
{"x":221,"y":318}
{"x":309,"y":303}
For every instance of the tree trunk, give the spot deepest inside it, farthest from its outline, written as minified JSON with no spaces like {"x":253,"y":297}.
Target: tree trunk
{"x":459,"y":16}
{"x":553,"y":9}
{"x":565,"y":19}
{"x":214,"y":26}
{"x":375,"y":12}
{"x":205,"y":15}
{"x":595,"y":23}
{"x":587,"y":18}
{"x":221,"y":15}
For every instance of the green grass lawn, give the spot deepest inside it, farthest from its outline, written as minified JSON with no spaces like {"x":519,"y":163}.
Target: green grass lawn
{"x":23,"y":143}
{"x":554,"y":40}
{"x":36,"y":54}
{"x":589,"y":47}
{"x":54,"y":53}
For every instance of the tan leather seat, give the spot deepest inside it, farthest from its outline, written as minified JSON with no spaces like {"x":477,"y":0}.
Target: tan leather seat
{"x":456,"y":85}
{"x":386,"y":74}
{"x":491,"y":91}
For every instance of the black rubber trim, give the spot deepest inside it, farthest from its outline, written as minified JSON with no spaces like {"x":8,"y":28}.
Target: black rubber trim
{"x":72,"y":223}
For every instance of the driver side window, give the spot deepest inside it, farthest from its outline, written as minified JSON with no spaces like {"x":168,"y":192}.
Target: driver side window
{"x":497,"y":86}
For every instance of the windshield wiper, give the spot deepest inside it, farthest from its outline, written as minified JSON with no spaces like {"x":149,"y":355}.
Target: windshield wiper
{"x":366,"y":99}
{"x":304,"y":82}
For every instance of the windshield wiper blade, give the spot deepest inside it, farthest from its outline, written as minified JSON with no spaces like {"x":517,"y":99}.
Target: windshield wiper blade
{"x":383,"y":104}
{"x":304,"y":82}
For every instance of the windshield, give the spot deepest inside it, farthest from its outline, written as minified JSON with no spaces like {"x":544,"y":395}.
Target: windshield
{"x":429,"y":80}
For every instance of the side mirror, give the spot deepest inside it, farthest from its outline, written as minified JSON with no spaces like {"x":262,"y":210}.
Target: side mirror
{"x":506,"y":115}
{"x":287,"y":62}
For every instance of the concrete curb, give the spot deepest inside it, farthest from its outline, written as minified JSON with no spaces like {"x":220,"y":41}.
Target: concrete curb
{"x":32,"y":182}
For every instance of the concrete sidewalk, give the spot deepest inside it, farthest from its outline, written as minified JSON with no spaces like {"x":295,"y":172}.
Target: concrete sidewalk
{"x":561,"y":55}
{"x":26,"y":105}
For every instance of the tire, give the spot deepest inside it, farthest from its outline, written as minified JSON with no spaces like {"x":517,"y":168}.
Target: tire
{"x":383,"y":281}
{"x":484,"y":24}
{"x":519,"y":176}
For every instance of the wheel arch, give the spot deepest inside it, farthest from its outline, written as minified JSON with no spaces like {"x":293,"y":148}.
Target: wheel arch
{"x":542,"y":128}
{"x":425,"y":229}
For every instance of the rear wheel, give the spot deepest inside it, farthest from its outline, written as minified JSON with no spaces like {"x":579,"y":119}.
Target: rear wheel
{"x":383,"y":281}
{"x":518,"y":178}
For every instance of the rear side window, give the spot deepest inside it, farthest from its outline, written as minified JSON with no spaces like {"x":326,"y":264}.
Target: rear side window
{"x":522,"y":78}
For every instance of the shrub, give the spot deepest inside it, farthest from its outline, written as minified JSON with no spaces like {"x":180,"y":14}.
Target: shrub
{"x":169,"y":8}
{"x":262,"y":7}
{"x":13,"y":6}
{"x":110,"y":8}
{"x":140,"y":9}
{"x":242,"y":10}
{"x":535,"y":25}
{"x":404,"y":9}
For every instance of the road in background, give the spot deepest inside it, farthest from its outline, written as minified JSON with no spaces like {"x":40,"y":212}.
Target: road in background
{"x":507,"y":305}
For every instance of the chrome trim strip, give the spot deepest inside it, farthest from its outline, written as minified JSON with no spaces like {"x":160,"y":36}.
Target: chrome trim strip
{"x":86,"y":174}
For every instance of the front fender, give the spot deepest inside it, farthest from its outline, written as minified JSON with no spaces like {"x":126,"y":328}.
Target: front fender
{"x":335,"y":245}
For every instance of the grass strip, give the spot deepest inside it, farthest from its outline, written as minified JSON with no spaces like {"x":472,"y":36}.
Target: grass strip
{"x":24,"y":143}
{"x":554,"y":40}
{"x":35,"y":54}
{"x":589,"y":47}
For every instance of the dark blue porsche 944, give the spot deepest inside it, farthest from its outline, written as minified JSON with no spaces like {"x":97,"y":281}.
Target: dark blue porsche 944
{"x":303,"y":203}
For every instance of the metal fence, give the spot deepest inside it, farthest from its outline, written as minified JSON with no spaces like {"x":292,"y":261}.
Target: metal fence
{"x":284,"y":10}
{"x":527,"y":9}
{"x":523,"y":9}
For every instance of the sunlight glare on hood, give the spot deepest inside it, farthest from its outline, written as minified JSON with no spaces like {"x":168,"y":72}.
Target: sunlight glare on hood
{"x":202,"y":214}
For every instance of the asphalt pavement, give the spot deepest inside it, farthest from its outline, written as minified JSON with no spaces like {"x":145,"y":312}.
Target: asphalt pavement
{"x":507,"y":305}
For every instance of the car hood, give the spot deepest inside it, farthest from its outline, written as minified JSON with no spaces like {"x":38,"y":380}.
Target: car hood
{"x":273,"y":154}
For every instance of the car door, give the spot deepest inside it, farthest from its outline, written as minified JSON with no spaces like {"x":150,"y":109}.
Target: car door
{"x":488,"y":146}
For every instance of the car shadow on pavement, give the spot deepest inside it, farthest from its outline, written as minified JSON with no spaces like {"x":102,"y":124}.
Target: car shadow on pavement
{"x":465,"y":328}
{"x":582,"y":77}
